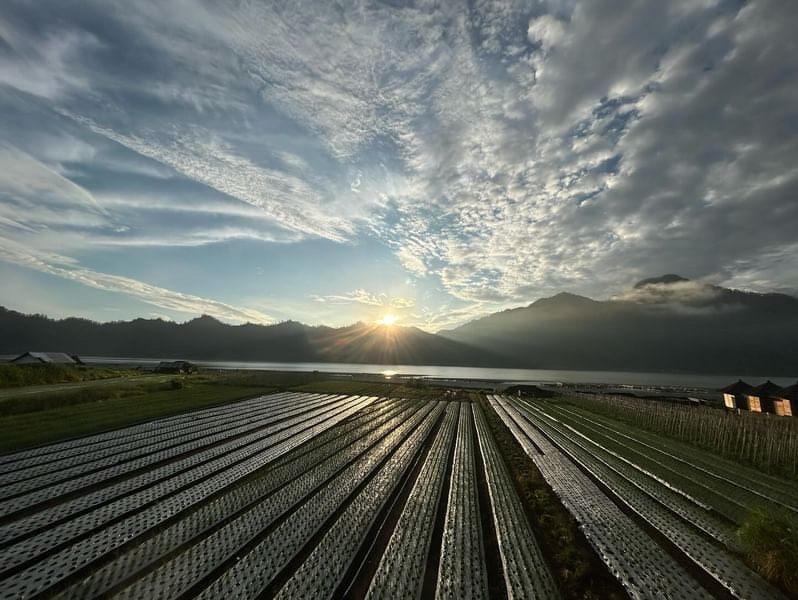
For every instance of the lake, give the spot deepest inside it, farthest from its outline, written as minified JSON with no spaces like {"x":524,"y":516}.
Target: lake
{"x":479,"y":373}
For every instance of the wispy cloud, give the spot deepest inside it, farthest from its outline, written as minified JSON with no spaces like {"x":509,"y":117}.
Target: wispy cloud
{"x":503,"y":152}
{"x":49,"y":66}
{"x":367,"y":299}
{"x":66,"y":268}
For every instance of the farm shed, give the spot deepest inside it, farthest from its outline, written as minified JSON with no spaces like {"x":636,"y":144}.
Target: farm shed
{"x":43,"y":358}
{"x":175,"y":366}
{"x":527,"y":390}
{"x":784,"y":402}
{"x":760,"y":398}
{"x":734,"y":394}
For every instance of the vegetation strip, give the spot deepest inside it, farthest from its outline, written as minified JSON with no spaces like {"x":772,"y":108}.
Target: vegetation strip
{"x":462,"y":572}
{"x":641,"y":566}
{"x":577,"y":569}
{"x":42,"y":574}
{"x":66,"y":467}
{"x":402,"y":567}
{"x":525,"y":572}
{"x":62,"y":483}
{"x":338,"y":443}
{"x":723,"y":567}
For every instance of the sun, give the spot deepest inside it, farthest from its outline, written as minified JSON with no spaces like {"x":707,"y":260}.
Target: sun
{"x":388,"y":320}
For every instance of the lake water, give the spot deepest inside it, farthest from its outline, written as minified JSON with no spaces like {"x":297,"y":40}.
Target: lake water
{"x":479,"y":373}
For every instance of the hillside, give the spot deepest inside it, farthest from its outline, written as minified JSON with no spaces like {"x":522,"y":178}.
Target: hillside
{"x":662,"y":324}
{"x":667,"y":324}
{"x":209,"y":339}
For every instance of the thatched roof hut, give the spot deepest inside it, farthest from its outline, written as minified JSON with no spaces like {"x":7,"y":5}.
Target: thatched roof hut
{"x":734,"y":395}
{"x":760,"y":399}
{"x":785,"y":402}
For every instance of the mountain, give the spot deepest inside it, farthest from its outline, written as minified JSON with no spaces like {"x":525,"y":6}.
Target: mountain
{"x":206,"y":338}
{"x":666,"y":323}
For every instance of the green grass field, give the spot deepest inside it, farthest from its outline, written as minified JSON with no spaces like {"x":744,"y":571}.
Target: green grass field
{"x":26,"y":429}
{"x":13,"y":375}
{"x":33,"y":419}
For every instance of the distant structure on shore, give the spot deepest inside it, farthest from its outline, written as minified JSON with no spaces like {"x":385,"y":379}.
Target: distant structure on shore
{"x":765,"y":398}
{"x":175,"y":366}
{"x":45,"y":358}
{"x":525,"y":389}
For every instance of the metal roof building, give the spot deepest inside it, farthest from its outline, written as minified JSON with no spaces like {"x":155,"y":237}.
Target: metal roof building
{"x":59,"y":358}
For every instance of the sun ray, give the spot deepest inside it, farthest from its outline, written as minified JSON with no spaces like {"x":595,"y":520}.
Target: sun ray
{"x":388,"y":320}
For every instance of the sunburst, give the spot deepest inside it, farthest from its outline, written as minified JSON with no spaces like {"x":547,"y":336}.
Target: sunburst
{"x":388,"y":320}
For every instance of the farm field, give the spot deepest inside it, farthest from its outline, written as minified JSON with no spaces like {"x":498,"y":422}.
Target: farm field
{"x":319,"y":495}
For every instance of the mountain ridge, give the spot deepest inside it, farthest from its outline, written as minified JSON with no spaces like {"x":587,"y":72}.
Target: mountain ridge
{"x":666,"y":323}
{"x":669,"y":324}
{"x":207,"y":338}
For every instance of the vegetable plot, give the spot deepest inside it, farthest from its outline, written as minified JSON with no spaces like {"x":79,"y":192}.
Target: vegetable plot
{"x":288,"y":495}
{"x":600,"y":476}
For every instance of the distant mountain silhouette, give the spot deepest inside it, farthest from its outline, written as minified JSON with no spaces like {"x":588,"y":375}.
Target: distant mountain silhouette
{"x":209,"y":339}
{"x":664,"y":323}
{"x":667,"y":323}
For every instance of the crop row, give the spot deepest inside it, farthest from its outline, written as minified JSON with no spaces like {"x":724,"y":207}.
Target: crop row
{"x":525,"y":572}
{"x":462,"y":572}
{"x":140,"y":454}
{"x":324,"y":455}
{"x":635,"y":559}
{"x":400,"y":573}
{"x":47,"y":558}
{"x":138,"y":474}
{"x":291,"y":495}
{"x":110,"y":441}
{"x":683,"y":520}
{"x":715,"y":477}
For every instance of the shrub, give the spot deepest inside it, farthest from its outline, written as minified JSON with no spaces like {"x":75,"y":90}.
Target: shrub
{"x":770,"y":543}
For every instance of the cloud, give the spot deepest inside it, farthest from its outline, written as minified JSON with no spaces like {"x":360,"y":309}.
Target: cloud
{"x":202,"y":156}
{"x":546,"y":30}
{"x":365,"y":298}
{"x":43,"y":207}
{"x":679,"y":292}
{"x":66,"y":268}
{"x":48,"y":66}
{"x":27,"y":181}
{"x":506,"y":152}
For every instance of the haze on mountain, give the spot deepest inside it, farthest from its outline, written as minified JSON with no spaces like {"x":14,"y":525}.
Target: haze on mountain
{"x":666,"y":323}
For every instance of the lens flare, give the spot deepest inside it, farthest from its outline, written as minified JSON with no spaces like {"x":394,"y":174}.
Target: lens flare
{"x":388,"y":320}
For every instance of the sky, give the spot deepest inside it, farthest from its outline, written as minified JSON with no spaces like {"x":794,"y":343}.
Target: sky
{"x":333,"y":162}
